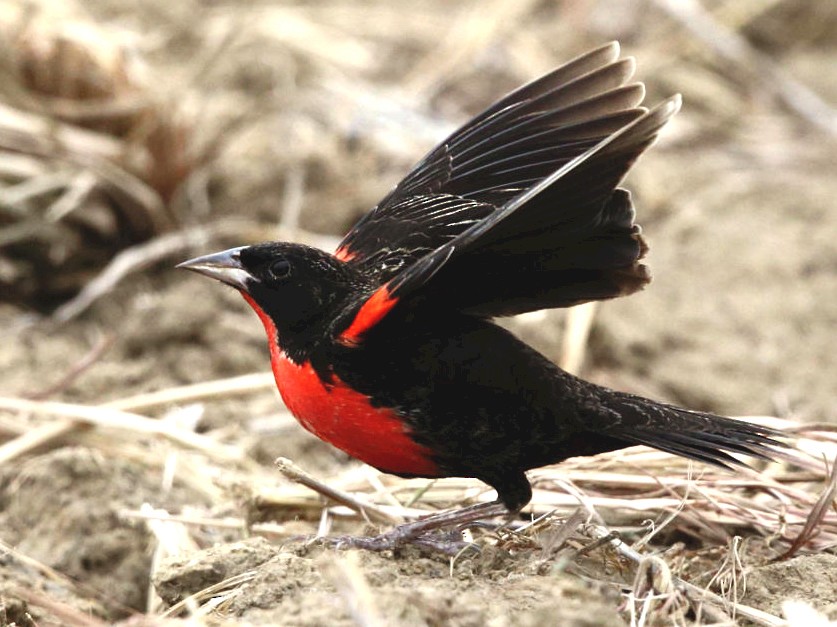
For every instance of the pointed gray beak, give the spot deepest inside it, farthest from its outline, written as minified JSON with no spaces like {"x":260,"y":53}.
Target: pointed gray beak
{"x":224,"y":266}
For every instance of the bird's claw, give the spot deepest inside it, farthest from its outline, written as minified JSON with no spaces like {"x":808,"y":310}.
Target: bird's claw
{"x":399,"y":538}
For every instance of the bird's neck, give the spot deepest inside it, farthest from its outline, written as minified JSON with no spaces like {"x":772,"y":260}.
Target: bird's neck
{"x":284,"y":343}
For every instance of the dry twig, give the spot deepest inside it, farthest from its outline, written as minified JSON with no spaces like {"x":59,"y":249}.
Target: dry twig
{"x":296,"y":474}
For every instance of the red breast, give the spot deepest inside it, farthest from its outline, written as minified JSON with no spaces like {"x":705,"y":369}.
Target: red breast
{"x":343,"y":417}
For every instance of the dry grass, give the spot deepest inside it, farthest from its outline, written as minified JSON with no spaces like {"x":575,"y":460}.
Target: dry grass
{"x":633,"y":501}
{"x":93,"y":157}
{"x":71,"y":155}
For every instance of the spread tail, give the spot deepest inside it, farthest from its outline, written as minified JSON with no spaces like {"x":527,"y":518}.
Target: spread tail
{"x":696,"y":435}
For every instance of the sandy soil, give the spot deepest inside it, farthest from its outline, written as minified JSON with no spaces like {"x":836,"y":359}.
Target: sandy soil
{"x":736,"y":202}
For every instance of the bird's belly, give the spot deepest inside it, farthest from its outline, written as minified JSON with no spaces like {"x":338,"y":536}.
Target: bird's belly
{"x":343,"y":417}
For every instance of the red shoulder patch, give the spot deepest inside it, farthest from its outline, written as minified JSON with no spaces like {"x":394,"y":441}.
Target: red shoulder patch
{"x":371,"y":312}
{"x":343,"y":254}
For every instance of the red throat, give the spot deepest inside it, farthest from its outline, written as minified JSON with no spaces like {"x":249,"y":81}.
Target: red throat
{"x":343,"y":417}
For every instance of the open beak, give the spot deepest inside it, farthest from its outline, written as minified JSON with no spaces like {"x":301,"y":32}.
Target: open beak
{"x":224,"y":266}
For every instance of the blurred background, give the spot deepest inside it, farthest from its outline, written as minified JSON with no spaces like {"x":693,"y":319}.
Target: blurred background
{"x":134,"y":135}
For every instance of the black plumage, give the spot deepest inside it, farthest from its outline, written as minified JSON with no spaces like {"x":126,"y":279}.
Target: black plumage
{"x":518,"y":210}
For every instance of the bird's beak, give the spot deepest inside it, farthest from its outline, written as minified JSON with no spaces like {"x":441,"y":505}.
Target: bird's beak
{"x":224,"y":266}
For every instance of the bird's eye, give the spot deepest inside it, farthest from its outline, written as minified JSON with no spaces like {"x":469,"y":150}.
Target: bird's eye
{"x":280,"y":269}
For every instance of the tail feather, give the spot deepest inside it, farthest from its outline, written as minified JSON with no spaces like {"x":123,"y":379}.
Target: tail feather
{"x":696,"y":435}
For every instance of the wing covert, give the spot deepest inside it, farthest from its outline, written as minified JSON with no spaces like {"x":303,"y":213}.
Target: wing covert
{"x":499,"y":154}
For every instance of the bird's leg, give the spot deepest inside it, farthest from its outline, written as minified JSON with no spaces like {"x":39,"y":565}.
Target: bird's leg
{"x":450,"y":518}
{"x":414,"y":532}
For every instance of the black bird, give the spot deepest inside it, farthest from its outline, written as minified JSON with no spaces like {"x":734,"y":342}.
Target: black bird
{"x":387,"y":348}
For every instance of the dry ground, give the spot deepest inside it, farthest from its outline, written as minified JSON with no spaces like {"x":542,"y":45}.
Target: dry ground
{"x":264,"y":120}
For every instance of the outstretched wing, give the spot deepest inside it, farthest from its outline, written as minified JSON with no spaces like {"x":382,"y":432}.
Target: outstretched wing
{"x":495,"y":157}
{"x":568,"y":238}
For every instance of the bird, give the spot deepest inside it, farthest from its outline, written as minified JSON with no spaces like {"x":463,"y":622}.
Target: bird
{"x":389,"y":347}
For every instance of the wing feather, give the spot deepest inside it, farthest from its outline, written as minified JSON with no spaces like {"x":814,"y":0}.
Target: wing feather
{"x":511,"y":145}
{"x":519,"y":210}
{"x":519,"y":253}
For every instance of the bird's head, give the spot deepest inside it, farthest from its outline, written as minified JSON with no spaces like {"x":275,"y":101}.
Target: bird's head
{"x":297,"y":289}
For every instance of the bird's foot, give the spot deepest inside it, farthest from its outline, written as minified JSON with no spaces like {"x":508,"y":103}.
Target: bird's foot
{"x":421,"y":533}
{"x":437,"y":543}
